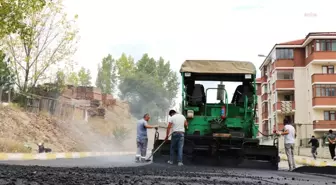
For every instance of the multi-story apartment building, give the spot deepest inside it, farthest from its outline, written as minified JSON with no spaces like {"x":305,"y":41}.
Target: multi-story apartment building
{"x":298,"y":84}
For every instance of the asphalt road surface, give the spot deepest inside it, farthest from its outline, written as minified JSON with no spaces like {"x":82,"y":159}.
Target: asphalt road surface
{"x":123,"y":170}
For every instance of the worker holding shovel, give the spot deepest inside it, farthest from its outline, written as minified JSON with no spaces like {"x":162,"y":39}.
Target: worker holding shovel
{"x":142,"y":139}
{"x":177,"y":123}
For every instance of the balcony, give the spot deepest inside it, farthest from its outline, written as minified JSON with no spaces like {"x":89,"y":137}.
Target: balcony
{"x":283,"y":84}
{"x":329,"y":101}
{"x":324,"y":124}
{"x":264,"y":97}
{"x":263,"y":79}
{"x":264,"y":128}
{"x":283,"y":63}
{"x":323,"y":78}
{"x":278,"y":105}
{"x":264,"y":115}
{"x":321,"y":55}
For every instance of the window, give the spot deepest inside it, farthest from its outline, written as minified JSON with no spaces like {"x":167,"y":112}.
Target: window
{"x":328,"y":69}
{"x":286,"y":76}
{"x":324,"y":90}
{"x":265,"y":88}
{"x":333,"y":45}
{"x":329,"y":115}
{"x":284,"y":53}
{"x":325,"y":45}
{"x":287,"y":97}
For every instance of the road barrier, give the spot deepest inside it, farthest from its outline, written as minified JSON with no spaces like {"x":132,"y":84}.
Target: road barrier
{"x":309,"y":162}
{"x":50,"y":156}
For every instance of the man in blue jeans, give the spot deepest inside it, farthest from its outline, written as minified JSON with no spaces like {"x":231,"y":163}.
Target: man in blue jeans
{"x":177,"y":122}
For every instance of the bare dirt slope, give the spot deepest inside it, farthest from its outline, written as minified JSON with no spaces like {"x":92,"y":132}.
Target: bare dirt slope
{"x":19,"y":128}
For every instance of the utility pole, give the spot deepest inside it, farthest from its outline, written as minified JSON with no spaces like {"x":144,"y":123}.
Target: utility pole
{"x":300,"y":136}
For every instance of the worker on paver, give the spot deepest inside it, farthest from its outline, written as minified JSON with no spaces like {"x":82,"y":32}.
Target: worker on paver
{"x":289,"y":133}
{"x":142,"y":139}
{"x":332,"y":143}
{"x":177,"y":122}
{"x":315,"y":144}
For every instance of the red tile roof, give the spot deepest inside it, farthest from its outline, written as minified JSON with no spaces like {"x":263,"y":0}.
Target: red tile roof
{"x":293,"y":42}
{"x":258,"y":80}
{"x":301,"y":41}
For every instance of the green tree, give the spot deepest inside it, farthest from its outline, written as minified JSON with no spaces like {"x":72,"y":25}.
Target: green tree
{"x":84,"y":77}
{"x":107,"y":75}
{"x":148,"y":85}
{"x":49,"y":39}
{"x":13,"y":12}
{"x":60,"y":80}
{"x":73,"y":79}
{"x":6,"y":77}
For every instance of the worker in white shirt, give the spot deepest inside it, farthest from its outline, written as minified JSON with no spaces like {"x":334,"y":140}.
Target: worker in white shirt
{"x":177,"y":123}
{"x":289,"y":134}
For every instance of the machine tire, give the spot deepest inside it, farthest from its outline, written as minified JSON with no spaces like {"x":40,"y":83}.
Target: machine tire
{"x":275,"y":163}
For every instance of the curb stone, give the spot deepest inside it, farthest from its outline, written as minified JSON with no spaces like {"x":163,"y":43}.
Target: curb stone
{"x":50,"y":156}
{"x":308,"y":162}
{"x":74,"y":155}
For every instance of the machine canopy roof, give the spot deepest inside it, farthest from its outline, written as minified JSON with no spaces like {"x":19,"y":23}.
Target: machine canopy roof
{"x":218,"y":67}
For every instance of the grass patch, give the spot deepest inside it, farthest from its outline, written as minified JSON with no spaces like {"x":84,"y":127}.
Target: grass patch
{"x":10,"y":146}
{"x":120,"y":132}
{"x":15,"y":106}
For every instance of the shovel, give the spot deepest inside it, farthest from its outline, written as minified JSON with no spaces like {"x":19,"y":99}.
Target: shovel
{"x":148,"y":159}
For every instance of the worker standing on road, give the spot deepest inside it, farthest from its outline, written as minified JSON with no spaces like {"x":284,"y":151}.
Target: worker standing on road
{"x":332,"y":143}
{"x":315,"y":144}
{"x":177,"y":122}
{"x":289,"y":133}
{"x":142,"y":139}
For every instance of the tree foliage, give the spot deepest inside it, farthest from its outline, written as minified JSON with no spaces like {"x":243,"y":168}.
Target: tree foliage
{"x":107,"y":75}
{"x":47,"y":40}
{"x":149,"y":85}
{"x":84,"y":77}
{"x":14,"y":12}
{"x":73,"y":79}
{"x":6,"y":77}
{"x":60,"y":80}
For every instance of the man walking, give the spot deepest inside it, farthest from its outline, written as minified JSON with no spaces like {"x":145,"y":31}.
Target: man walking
{"x":315,"y":144}
{"x":142,"y":139}
{"x":289,"y":133}
{"x":332,"y":143}
{"x":177,"y":122}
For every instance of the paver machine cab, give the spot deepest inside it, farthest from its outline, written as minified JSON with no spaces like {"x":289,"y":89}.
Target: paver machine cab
{"x":223,"y":131}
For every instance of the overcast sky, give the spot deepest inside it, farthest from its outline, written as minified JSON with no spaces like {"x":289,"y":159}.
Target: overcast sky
{"x":194,"y":29}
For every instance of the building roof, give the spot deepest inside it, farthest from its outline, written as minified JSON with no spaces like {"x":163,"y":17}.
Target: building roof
{"x":300,"y":41}
{"x":258,"y":80}
{"x":218,"y":66}
{"x":320,"y":34}
{"x":293,"y":42}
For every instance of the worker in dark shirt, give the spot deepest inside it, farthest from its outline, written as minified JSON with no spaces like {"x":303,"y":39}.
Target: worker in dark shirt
{"x":315,"y":144}
{"x":332,"y":144}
